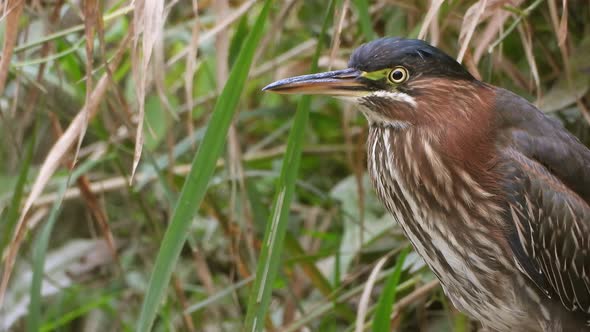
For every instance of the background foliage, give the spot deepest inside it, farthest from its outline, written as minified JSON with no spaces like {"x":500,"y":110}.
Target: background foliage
{"x":109,"y":108}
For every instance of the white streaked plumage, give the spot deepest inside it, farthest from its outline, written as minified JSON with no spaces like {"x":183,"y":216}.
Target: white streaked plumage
{"x":469,"y":290}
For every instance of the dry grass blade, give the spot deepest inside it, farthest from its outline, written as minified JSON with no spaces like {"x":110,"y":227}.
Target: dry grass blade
{"x":191,"y":67}
{"x":414,"y":296}
{"x":179,"y":291}
{"x":560,"y":29}
{"x":430,"y":15}
{"x":339,"y":21}
{"x":91,"y":19}
{"x":53,"y":159}
{"x":148,"y":21}
{"x":14,"y":10}
{"x":499,"y":17}
{"x":364,"y":302}
{"x":470,"y":21}
{"x":527,"y":43}
{"x":99,"y":214}
{"x":434,"y":31}
{"x":562,"y":35}
{"x":92,"y":23}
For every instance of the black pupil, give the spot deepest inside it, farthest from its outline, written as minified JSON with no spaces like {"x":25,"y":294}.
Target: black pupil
{"x":397,"y":75}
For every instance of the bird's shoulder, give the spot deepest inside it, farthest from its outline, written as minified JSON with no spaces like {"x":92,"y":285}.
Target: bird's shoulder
{"x":546,"y":181}
{"x":524,"y":128}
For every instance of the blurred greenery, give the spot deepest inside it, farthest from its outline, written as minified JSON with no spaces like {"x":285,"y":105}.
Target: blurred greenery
{"x":335,"y":229}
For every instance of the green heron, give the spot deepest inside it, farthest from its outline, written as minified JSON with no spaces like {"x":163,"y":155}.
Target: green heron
{"x":493,"y":194}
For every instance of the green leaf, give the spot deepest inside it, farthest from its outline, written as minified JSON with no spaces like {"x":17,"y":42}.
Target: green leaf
{"x":42,"y":243}
{"x":197,"y":181}
{"x":69,"y":317}
{"x":362,"y":7}
{"x":272,"y":245}
{"x":238,"y":40}
{"x":382,"y":318}
{"x":157,"y":122}
{"x":9,"y":222}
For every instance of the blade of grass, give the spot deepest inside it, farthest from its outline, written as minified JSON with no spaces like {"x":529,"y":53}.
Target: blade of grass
{"x":39,"y":250}
{"x":41,"y":245}
{"x":9,"y":222}
{"x":362,"y":7}
{"x":218,"y":296}
{"x":460,"y":322}
{"x":274,"y":235}
{"x":78,"y":312}
{"x":381,"y":320}
{"x":202,"y":169}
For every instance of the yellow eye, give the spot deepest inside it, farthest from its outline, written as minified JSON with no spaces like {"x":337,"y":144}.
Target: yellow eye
{"x":399,"y":75}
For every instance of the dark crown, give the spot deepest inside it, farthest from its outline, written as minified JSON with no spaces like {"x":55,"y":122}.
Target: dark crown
{"x":414,"y":54}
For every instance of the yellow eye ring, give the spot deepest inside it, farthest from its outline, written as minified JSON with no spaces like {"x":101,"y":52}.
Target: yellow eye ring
{"x":399,"y":75}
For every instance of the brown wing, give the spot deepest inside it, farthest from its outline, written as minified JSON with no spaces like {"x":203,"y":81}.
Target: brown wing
{"x":545,"y":141}
{"x":547,"y":179}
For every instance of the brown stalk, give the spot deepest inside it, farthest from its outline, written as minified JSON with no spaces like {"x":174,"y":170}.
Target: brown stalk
{"x":99,"y":214}
{"x":339,"y":17}
{"x":91,"y":18}
{"x":13,"y":10}
{"x":203,"y":271}
{"x":92,"y":26}
{"x":186,"y":317}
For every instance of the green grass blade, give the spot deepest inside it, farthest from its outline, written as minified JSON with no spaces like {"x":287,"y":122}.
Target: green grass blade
{"x":272,"y":247}
{"x":100,"y":301}
{"x":382,"y":318}
{"x":202,"y":168}
{"x":9,"y":222}
{"x":41,"y":245}
{"x":269,"y":260}
{"x":39,"y":250}
{"x":362,"y":7}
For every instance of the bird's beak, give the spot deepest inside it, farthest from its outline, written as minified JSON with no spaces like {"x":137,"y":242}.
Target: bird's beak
{"x":339,"y":83}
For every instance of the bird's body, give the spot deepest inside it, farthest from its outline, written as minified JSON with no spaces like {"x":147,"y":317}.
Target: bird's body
{"x":415,"y":172}
{"x":494,"y":195}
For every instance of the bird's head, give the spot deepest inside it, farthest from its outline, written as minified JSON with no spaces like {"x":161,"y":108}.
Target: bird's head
{"x":396,"y":82}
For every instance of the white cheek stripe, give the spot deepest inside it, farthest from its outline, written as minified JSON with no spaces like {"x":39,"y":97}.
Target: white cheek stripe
{"x":394,"y":95}
{"x":376,"y":118}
